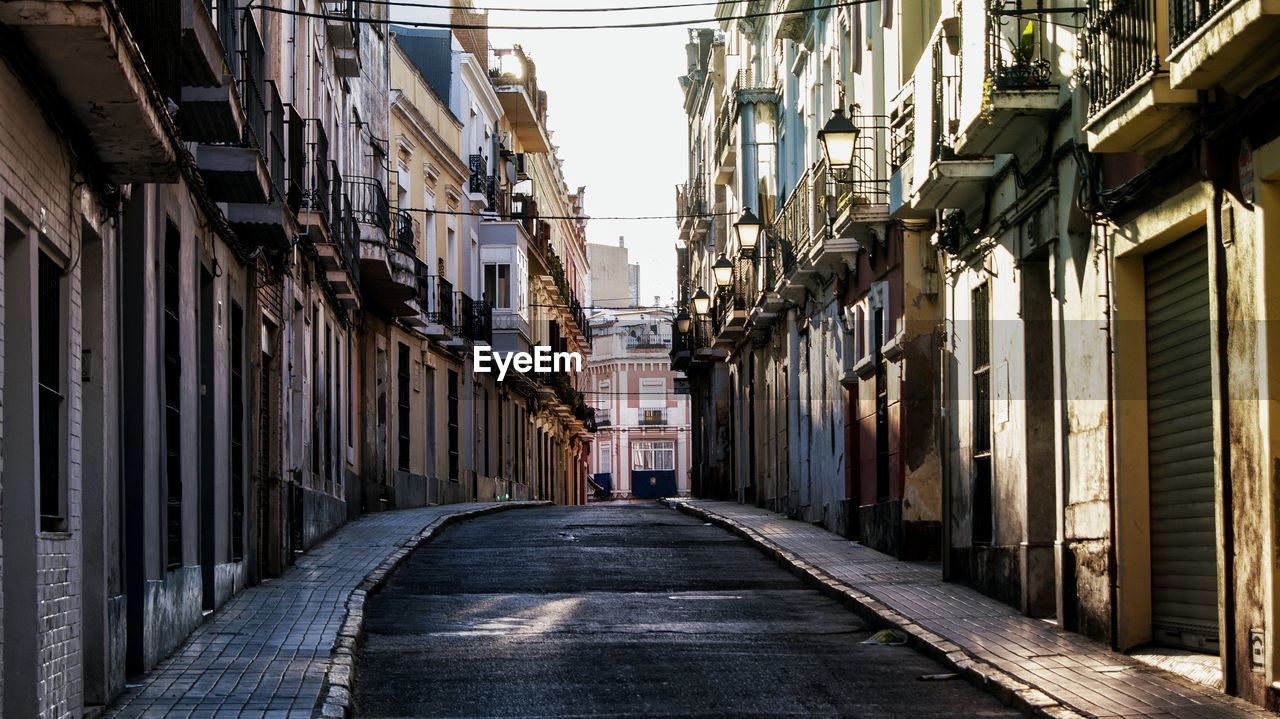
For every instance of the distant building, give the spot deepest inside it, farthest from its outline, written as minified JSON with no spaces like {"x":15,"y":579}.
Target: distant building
{"x":642,"y":440}
{"x":615,"y":282}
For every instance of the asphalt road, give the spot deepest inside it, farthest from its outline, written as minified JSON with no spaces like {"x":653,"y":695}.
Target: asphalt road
{"x":626,"y":610}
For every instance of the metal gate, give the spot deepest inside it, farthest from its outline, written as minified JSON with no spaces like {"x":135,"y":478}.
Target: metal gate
{"x":1184,"y":558}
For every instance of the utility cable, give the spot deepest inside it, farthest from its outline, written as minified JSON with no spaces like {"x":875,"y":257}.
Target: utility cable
{"x":464,"y":213}
{"x":495,"y":8}
{"x":606,"y":26}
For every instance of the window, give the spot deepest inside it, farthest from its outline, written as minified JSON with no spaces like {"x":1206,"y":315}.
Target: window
{"x":653,"y":416}
{"x":172,"y":325}
{"x":983,"y":530}
{"x":351,"y":403}
{"x":497,"y":286}
{"x":453,"y":424}
{"x":403,"y":437}
{"x":659,"y":456}
{"x":237,"y":432}
{"x":49,"y":363}
{"x":606,"y":458}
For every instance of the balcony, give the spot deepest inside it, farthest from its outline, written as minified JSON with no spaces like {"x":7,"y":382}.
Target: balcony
{"x":436,"y":299}
{"x":388,"y":251}
{"x":472,"y":321}
{"x":653,"y":417}
{"x":1020,"y":82}
{"x":692,"y":209}
{"x":340,"y":24}
{"x":568,"y":311}
{"x":324,"y":216}
{"x":515,"y":80}
{"x":1222,"y":42}
{"x":732,"y":304}
{"x":801,"y":225}
{"x":84,"y":49}
{"x":943,"y":178}
{"x":1133,"y":107}
{"x":250,"y":176}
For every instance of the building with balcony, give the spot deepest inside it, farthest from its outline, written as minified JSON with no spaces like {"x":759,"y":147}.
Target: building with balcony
{"x":642,"y":439}
{"x":1028,"y":284}
{"x":799,"y":367}
{"x":239,"y":329}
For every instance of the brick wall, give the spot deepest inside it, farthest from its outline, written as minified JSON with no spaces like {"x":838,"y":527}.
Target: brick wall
{"x":35,"y":181}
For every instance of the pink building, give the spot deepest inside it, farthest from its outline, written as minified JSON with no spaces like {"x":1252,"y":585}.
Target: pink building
{"x":642,"y":446}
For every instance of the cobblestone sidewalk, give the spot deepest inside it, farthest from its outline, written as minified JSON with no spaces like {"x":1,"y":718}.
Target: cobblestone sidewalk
{"x":265,"y":653}
{"x":1027,"y":662}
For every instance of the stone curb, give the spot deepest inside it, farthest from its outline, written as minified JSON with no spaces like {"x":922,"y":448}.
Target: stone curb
{"x":339,"y":675}
{"x":1028,"y":699}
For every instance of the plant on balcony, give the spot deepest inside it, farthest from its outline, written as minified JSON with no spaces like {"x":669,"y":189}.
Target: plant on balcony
{"x":1026,"y":71}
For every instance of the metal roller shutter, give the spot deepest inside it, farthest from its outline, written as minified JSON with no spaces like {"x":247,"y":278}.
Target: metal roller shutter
{"x":1184,"y":558}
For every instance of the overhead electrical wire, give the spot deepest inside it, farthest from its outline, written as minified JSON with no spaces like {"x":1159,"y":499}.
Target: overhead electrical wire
{"x":606,"y":26}
{"x":464,"y":213}
{"x":496,"y":8}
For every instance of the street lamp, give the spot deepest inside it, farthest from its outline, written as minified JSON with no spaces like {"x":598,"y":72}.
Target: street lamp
{"x":838,"y":138}
{"x":683,"y":321}
{"x":748,"y":228}
{"x":701,"y":302}
{"x":723,"y":272}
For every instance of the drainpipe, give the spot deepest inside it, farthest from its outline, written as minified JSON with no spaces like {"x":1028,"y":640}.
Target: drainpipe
{"x":1113,"y":581}
{"x":1222,"y":390}
{"x":944,"y":425}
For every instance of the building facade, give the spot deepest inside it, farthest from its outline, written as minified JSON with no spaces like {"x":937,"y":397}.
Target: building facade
{"x":1046,"y":263}
{"x":242,"y":260}
{"x":642,"y":419}
{"x":615,"y":280}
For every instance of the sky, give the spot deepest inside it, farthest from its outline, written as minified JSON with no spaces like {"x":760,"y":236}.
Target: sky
{"x":616,"y":112}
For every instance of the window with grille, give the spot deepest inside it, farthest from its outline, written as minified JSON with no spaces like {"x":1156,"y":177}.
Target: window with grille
{"x":50,"y":347}
{"x":453,"y":423}
{"x":404,"y":444}
{"x":237,"y":432}
{"x":983,"y":529}
{"x":331,"y":392}
{"x":172,"y":325}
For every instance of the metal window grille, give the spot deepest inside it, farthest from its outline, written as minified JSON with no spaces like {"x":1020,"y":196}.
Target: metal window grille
{"x":237,"y":432}
{"x":982,"y":521}
{"x":49,"y":422}
{"x":402,"y":407}
{"x":453,"y":424}
{"x":172,"y":398}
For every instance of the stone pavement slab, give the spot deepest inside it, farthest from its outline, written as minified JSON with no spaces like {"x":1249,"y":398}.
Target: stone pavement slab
{"x":1028,"y":662}
{"x":274,"y":649}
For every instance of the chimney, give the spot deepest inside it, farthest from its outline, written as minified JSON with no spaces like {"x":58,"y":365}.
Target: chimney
{"x":473,"y":40}
{"x":622,"y":241}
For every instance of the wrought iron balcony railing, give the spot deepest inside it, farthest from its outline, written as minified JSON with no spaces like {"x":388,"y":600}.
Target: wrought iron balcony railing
{"x":803,"y":217}
{"x":1187,"y":16}
{"x":404,"y":233}
{"x":1018,"y":53}
{"x":691,"y":198}
{"x":653,"y":417}
{"x":369,"y":204}
{"x":946,"y":103}
{"x":1120,"y":48}
{"x":436,"y":298}
{"x":462,"y":313}
{"x":866,"y":181}
{"x":738,"y":296}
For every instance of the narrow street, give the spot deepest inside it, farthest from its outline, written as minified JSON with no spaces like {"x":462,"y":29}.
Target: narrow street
{"x":626,"y":610}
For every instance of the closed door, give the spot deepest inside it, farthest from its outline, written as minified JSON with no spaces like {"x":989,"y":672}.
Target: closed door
{"x":1184,"y":558}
